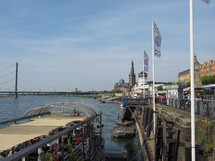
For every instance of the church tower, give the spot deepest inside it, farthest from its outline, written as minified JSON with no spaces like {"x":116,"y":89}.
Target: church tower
{"x":197,"y":73}
{"x":132,"y":77}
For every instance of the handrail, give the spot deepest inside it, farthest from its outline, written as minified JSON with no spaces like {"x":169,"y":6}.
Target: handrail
{"x":23,"y":118}
{"x":24,"y":152}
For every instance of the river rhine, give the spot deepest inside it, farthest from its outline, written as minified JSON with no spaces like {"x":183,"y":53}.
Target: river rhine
{"x":11,"y":108}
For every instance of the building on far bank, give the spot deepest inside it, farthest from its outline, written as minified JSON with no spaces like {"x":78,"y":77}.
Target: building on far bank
{"x":184,"y":76}
{"x":126,"y":87}
{"x":208,"y":68}
{"x":122,"y":86}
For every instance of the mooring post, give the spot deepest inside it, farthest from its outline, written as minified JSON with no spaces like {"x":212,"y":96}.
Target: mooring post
{"x":16,"y":82}
{"x":100,"y":132}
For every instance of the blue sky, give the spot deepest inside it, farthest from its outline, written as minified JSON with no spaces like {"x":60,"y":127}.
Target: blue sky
{"x":89,"y":44}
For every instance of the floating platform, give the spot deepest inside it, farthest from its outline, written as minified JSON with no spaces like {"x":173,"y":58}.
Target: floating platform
{"x":19,"y":133}
{"x":123,"y":132}
{"x":124,"y":122}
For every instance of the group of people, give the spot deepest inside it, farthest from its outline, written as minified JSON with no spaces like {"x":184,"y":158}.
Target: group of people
{"x":52,"y":147}
{"x":199,"y":98}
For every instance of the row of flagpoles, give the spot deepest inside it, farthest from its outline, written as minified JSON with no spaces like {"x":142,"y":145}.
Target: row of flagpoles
{"x":156,"y":51}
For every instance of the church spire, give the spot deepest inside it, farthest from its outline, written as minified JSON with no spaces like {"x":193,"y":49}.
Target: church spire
{"x":132,"y":68}
{"x":132,"y":77}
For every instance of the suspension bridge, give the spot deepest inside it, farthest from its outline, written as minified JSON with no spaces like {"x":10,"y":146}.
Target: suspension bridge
{"x":19,"y":80}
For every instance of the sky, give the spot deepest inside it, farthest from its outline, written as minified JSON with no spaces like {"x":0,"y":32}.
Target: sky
{"x":89,"y":44}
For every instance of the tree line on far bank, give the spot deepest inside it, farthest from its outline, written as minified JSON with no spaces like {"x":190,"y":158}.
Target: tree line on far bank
{"x":208,"y":80}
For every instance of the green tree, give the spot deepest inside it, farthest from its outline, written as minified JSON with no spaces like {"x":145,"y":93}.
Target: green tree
{"x":116,"y":91}
{"x":188,"y":84}
{"x":204,"y":80}
{"x":159,"y":88}
{"x":179,"y":83}
{"x":208,"y":79}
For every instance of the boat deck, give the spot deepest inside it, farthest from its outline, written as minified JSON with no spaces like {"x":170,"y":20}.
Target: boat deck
{"x":19,"y":133}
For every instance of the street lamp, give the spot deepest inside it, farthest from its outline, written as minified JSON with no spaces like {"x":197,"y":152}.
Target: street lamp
{"x":192,"y":81}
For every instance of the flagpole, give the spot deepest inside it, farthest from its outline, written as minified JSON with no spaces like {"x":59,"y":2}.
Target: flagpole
{"x":153,"y":75}
{"x":192,"y":83}
{"x":143,"y":75}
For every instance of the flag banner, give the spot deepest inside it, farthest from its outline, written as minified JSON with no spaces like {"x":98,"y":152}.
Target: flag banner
{"x":157,"y":40}
{"x":146,"y":62}
{"x":206,"y":1}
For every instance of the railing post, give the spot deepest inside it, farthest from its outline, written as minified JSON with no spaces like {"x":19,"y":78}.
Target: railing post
{"x":207,"y":110}
{"x":198,"y":107}
{"x":83,"y":152}
{"x":62,"y":148}
{"x":89,"y":144}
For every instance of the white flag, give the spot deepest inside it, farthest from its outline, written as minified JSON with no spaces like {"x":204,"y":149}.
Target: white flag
{"x":157,"y":40}
{"x":146,"y":62}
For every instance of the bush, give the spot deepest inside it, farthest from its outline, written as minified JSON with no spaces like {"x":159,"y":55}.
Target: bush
{"x":72,"y":156}
{"x":208,"y":141}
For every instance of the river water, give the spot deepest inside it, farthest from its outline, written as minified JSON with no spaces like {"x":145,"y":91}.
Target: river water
{"x":11,"y":108}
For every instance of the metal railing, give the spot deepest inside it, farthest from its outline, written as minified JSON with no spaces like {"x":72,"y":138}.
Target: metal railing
{"x":130,"y":101}
{"x":23,"y":118}
{"x":205,"y":108}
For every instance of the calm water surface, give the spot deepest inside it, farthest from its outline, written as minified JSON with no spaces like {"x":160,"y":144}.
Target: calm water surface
{"x":11,"y":108}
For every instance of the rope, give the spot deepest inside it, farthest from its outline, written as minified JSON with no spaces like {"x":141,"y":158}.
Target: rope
{"x":141,"y":132}
{"x":137,"y":134}
{"x":140,"y":150}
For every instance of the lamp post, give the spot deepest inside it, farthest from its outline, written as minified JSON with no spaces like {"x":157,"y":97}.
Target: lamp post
{"x":193,"y":141}
{"x":192,"y":84}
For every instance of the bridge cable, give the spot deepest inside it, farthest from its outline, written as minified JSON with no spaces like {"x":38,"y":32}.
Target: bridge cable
{"x":37,"y":80}
{"x":23,"y":89}
{"x":31,"y":84}
{"x":6,"y":82}
{"x":6,"y":68}
{"x":46,"y":78}
{"x":6,"y":75}
{"x":8,"y":88}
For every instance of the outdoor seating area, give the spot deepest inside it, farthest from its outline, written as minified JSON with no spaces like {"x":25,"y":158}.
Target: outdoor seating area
{"x":14,"y":141}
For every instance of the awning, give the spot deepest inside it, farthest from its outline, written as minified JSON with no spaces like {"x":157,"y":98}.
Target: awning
{"x":87,"y":109}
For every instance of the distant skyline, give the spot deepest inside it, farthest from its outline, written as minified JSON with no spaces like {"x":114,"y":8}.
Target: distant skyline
{"x":89,"y":45}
